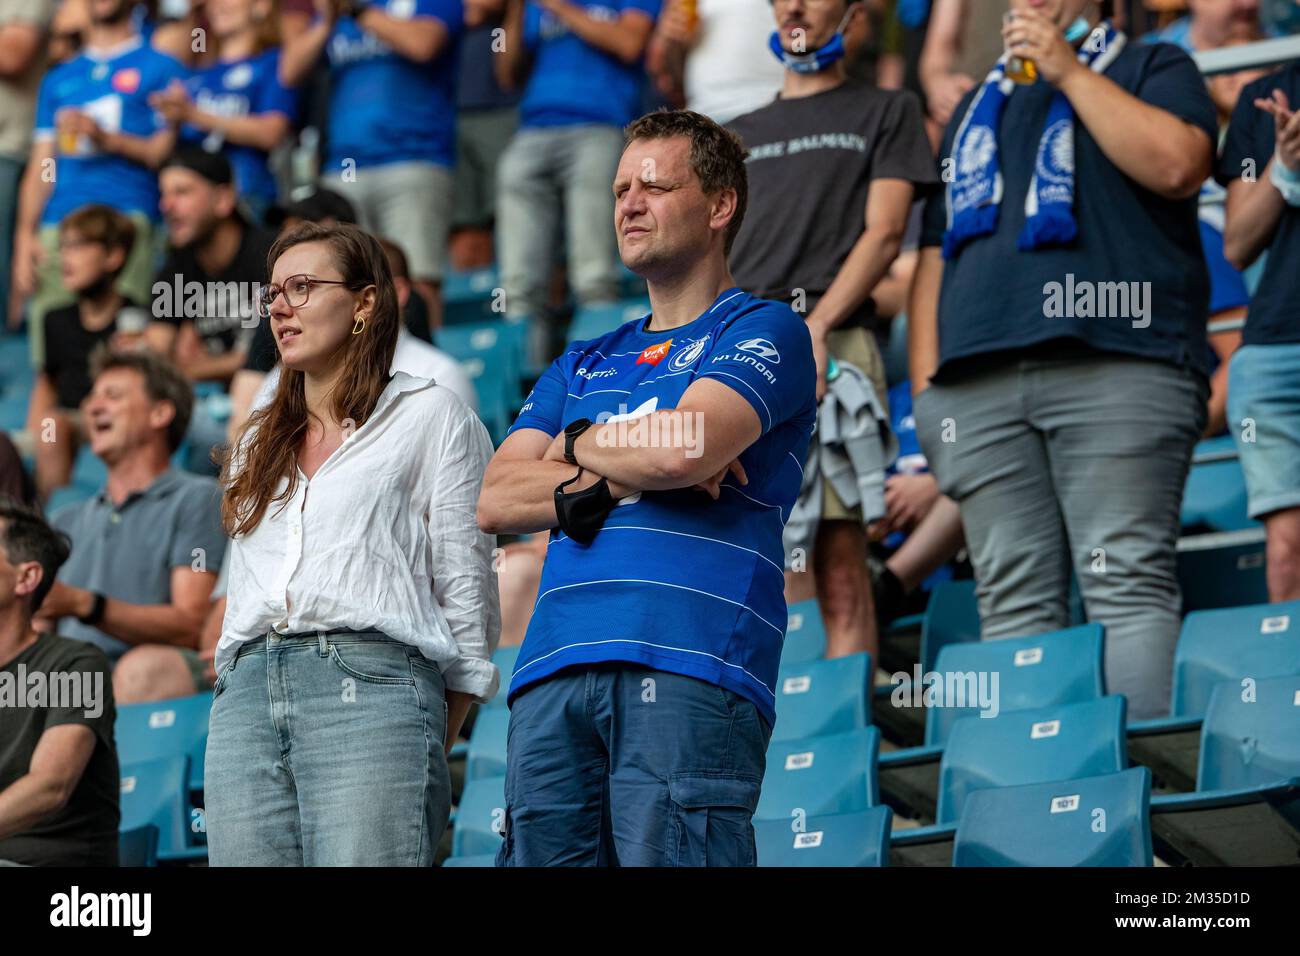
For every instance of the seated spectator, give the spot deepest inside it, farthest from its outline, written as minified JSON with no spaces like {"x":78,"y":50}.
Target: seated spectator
{"x":94,"y":242}
{"x":1057,"y":334}
{"x":94,"y":120}
{"x":58,"y":762}
{"x":68,"y":30}
{"x":146,"y":549}
{"x":237,"y":105}
{"x":1211,"y":24}
{"x":580,"y":68}
{"x":412,"y":355}
{"x":392,"y":117}
{"x":217,"y":252}
{"x":1260,"y":166}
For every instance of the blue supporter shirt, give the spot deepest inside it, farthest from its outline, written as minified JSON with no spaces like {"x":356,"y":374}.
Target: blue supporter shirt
{"x":113,"y":87}
{"x":573,"y":82}
{"x":675,"y":580}
{"x":1134,"y":279}
{"x":248,"y":87}
{"x":385,"y":108}
{"x":1274,"y":317}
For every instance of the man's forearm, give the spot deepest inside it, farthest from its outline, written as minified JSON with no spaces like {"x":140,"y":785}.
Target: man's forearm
{"x":1149,"y":145}
{"x":509,"y":63}
{"x":300,"y":53}
{"x":519,"y":496}
{"x":151,"y":623}
{"x":416,"y":40}
{"x":148,"y":151}
{"x":866,"y":264}
{"x":657,"y":466}
{"x":26,"y":802}
{"x":1253,"y":212}
{"x":609,"y":36}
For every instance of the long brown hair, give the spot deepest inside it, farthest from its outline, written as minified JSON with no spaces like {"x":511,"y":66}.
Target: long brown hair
{"x":267,"y":447}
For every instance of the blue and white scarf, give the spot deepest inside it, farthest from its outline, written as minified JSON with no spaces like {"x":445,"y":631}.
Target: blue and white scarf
{"x":975,"y":191}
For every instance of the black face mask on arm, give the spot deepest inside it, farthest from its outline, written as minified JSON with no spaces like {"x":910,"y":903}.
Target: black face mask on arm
{"x":582,"y":513}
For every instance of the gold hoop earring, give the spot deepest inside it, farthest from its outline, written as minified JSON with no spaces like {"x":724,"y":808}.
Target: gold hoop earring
{"x":359,"y":326}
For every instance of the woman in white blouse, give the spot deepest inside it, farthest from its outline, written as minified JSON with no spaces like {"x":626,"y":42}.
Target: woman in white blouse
{"x":362,"y":606}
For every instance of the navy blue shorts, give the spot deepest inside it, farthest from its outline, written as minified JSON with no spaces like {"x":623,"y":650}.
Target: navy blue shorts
{"x":619,"y":765}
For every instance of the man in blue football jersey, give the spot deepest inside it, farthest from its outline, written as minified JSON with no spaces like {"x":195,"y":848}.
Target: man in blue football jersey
{"x":97,"y":140}
{"x":663,"y":458}
{"x":393,"y":66}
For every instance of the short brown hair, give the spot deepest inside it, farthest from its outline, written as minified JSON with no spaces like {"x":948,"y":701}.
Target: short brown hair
{"x":103,"y":225}
{"x":717,"y":154}
{"x":163,"y":382}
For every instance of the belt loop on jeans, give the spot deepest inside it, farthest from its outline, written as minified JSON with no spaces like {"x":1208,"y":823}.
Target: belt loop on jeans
{"x":324,"y":644}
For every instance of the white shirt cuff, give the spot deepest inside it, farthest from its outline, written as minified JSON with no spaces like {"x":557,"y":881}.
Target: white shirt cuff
{"x":473,"y":675}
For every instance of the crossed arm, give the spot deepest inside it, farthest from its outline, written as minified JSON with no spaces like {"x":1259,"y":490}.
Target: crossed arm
{"x":518,"y":494}
{"x":59,"y":760}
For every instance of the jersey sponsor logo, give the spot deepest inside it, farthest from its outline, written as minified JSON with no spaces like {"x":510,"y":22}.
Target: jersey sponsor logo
{"x":606,"y":373}
{"x":745,"y":359}
{"x":127,"y":80}
{"x":401,"y":9}
{"x":763,"y":349}
{"x":654,"y":354}
{"x":688,"y":355}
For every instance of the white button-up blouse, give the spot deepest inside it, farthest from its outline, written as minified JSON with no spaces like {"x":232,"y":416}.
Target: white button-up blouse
{"x":383,"y":538}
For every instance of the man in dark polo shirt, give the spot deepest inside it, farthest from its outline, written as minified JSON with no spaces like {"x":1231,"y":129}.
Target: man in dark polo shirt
{"x":147,"y":548}
{"x":1261,"y":168}
{"x":1057,"y":342}
{"x":834,"y":164}
{"x":58,"y":763}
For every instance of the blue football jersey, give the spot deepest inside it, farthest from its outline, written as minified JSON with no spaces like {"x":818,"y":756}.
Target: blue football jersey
{"x":675,"y":580}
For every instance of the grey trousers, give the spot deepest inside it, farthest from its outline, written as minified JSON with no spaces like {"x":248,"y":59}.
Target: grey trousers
{"x":1074,"y":464}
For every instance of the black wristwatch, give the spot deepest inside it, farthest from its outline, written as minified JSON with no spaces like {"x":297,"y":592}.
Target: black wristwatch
{"x":96,"y":610}
{"x":571,"y":433}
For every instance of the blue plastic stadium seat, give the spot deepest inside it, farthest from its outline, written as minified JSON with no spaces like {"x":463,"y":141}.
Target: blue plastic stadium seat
{"x":1246,"y":808}
{"x":951,"y":616}
{"x":1062,"y":667}
{"x":819,"y":775}
{"x":1092,"y":821}
{"x":468,"y":296}
{"x":840,"y":839}
{"x":593,"y":321}
{"x":1214,"y":498}
{"x":1224,"y":569}
{"x":491,"y":353}
{"x":487,"y":744}
{"x":1061,"y":742}
{"x":1262,"y":640}
{"x":823,"y":697}
{"x":480,"y":817}
{"x":166,"y":728}
{"x":480,"y":860}
{"x":138,"y":846}
{"x":155,"y":793}
{"x":805,"y":634}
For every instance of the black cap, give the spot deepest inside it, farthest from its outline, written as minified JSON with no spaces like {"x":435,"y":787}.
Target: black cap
{"x":214,"y":167}
{"x":318,"y":206}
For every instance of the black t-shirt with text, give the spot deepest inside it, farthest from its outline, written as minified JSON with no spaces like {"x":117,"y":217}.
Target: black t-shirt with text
{"x":1274,"y":317}
{"x":225,"y":303}
{"x":84,"y":832}
{"x":1136,"y":254}
{"x":811,"y":162}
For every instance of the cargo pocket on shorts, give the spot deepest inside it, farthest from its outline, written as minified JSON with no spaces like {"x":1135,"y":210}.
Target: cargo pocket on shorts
{"x":711,"y":819}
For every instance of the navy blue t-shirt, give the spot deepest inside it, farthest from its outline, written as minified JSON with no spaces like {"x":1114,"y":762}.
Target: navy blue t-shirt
{"x":1275,"y":310}
{"x":996,"y":299}
{"x":675,"y":580}
{"x":477,"y":88}
{"x":385,"y":108}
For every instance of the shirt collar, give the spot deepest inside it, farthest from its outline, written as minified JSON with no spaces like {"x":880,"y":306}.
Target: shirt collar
{"x":105,"y":54}
{"x":160,"y":487}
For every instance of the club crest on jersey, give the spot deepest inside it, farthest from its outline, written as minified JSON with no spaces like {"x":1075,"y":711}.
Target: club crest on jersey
{"x":654,"y":354}
{"x":688,"y":355}
{"x":126,"y":81}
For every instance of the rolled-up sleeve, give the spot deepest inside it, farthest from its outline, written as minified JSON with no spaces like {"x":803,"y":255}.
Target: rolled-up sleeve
{"x":464,"y":579}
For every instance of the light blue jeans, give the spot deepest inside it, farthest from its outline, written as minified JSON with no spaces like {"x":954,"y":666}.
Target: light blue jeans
{"x":327,"y":750}
{"x":546,"y":174}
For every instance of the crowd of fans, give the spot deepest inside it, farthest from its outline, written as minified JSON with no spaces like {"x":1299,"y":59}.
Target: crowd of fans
{"x":149,"y":155}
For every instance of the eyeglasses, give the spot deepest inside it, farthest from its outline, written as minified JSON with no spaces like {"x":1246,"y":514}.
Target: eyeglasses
{"x":296,"y":289}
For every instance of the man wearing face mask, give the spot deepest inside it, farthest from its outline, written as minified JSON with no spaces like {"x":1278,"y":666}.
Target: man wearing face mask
{"x":834,"y":165}
{"x":1057,"y":331}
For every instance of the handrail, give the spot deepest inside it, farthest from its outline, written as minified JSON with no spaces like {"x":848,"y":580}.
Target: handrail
{"x":1262,"y":53}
